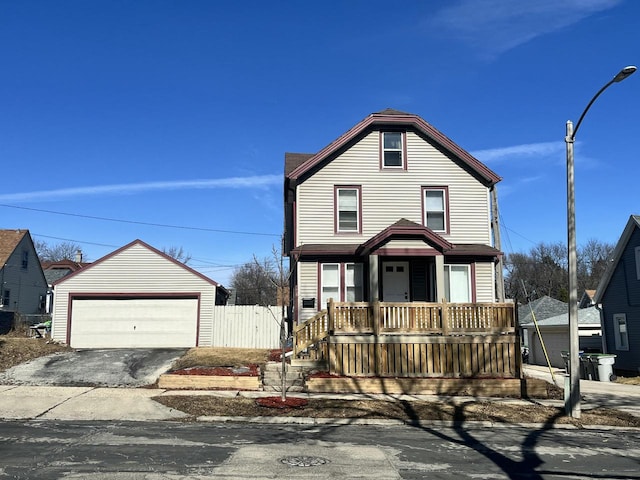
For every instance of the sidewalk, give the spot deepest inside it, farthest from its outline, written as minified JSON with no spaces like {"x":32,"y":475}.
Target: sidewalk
{"x":136,"y":404}
{"x":594,"y":394}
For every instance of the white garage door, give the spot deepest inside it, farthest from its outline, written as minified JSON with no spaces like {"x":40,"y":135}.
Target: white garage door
{"x":131,"y":323}
{"x":555,"y":342}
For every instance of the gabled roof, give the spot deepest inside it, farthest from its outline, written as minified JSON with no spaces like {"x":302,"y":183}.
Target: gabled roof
{"x":9,"y":240}
{"x":300,"y":166}
{"x":148,"y":247}
{"x":543,"y":307}
{"x":632,"y":224}
{"x":404,"y":228}
{"x":586,"y":317}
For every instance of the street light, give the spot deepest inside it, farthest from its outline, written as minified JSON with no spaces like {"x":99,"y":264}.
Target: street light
{"x":572,"y":402}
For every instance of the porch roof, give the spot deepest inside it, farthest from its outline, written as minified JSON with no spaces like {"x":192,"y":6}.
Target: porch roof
{"x":330,"y":249}
{"x":404,"y":228}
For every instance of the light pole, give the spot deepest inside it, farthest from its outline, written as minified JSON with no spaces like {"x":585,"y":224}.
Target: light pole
{"x":572,"y":405}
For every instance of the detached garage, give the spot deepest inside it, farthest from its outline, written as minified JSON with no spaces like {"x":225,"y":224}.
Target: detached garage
{"x":135,"y":297}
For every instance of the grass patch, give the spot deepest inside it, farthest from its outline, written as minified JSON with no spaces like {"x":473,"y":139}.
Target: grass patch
{"x":221,"y":357}
{"x":16,"y":348}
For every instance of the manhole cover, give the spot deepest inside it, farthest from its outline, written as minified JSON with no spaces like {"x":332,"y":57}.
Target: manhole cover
{"x":304,"y":461}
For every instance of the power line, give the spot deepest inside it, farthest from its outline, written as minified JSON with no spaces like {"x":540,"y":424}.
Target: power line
{"x":106,"y":219}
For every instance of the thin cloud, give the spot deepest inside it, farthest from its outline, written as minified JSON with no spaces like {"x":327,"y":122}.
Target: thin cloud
{"x":540,"y":150}
{"x":493,"y":27}
{"x":263,"y":181}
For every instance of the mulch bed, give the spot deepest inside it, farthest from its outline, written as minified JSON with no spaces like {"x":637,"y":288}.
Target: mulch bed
{"x":277,"y":402}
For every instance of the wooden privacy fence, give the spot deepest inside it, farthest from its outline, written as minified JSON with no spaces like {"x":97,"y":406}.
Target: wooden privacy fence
{"x":414,"y":339}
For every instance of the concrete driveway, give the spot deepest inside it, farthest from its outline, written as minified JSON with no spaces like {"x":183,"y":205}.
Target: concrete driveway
{"x":90,"y":368}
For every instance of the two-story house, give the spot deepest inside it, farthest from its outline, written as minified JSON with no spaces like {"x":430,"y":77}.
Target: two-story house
{"x":392,"y":210}
{"x":618,"y":296}
{"x":392,"y":256}
{"x":23,"y":287}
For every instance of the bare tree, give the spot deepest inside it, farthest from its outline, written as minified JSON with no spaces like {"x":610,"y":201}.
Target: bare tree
{"x":544,"y":269}
{"x":56,"y":252}
{"x":178,"y":253}
{"x":255,"y":283}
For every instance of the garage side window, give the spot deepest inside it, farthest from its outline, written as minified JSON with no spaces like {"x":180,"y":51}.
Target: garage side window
{"x":620,"y":331}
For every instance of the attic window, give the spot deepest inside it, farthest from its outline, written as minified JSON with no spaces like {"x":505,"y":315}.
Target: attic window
{"x":393,"y":151}
{"x":25,"y":259}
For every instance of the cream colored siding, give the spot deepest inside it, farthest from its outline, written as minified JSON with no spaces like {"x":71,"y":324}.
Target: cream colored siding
{"x":408,"y":244}
{"x":485,"y":281}
{"x":307,"y":288}
{"x":388,"y":195}
{"x":135,"y":270}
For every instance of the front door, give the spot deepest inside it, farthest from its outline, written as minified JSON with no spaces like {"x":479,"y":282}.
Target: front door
{"x":395,"y":282}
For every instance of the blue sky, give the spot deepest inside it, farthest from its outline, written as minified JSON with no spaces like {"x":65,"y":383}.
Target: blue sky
{"x":174,"y":116}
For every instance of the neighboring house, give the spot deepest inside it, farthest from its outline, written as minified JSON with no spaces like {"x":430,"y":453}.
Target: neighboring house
{"x":54,"y":271}
{"x":136,"y":296}
{"x":389,"y":232}
{"x":555,"y":335}
{"x":540,"y":309}
{"x":618,"y":293}
{"x":392,"y":210}
{"x":23,"y":287}
{"x":587,"y":299}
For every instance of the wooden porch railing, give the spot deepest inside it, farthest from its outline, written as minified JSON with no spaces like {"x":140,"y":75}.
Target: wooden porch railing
{"x":416,"y":329}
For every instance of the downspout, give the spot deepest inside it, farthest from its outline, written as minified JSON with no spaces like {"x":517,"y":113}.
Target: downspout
{"x":497,"y":243}
{"x":602,"y":327}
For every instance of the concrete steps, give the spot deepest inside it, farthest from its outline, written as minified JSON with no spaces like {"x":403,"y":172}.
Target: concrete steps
{"x":272,"y":378}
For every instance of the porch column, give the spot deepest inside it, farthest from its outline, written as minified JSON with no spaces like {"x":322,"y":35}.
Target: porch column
{"x":374,"y":288}
{"x":439,"y":278}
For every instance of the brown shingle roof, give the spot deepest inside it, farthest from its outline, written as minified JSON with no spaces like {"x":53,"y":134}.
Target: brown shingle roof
{"x":9,"y":240}
{"x":294,"y":160}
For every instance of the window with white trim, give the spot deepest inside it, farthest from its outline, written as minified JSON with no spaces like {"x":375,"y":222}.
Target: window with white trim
{"x":330,"y":280}
{"x":6,"y":297}
{"x":435,"y":209}
{"x":353,"y":291}
{"x":637,"y":263}
{"x":392,"y":150}
{"x":620,"y":331}
{"x":348,"y":209}
{"x":457,"y":283}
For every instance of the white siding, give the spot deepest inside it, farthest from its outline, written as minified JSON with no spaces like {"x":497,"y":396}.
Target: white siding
{"x":485,"y":282}
{"x":135,"y":270}
{"x":307,"y":288}
{"x":389,"y":195}
{"x":246,"y":326}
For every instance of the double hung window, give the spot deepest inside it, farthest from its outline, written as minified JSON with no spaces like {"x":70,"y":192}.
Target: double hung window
{"x":353,"y":282}
{"x":341,"y":281}
{"x":435,"y":208}
{"x":620,"y":330}
{"x":330,"y":283}
{"x":393,"y":150}
{"x":348,"y":207}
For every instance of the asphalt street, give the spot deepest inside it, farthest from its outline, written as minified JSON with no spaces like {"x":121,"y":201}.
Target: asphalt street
{"x":172,"y":450}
